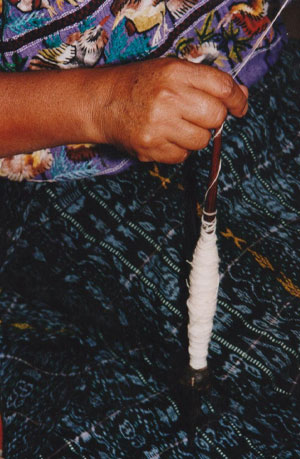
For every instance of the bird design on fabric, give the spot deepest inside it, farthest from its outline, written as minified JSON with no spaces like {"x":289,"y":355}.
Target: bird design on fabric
{"x":26,"y":166}
{"x":81,"y":50}
{"x":251,"y":16}
{"x":143,"y":15}
{"x":205,"y":53}
{"x":26,"y":6}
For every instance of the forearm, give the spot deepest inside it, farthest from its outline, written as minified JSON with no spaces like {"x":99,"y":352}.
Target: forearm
{"x":51,"y":108}
{"x":158,"y":110}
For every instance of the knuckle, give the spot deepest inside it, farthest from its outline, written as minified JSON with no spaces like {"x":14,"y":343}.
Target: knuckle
{"x":163,"y":99}
{"x":171,"y":66}
{"x":226,"y":86}
{"x":175,"y":70}
{"x":164,"y":93}
{"x":146,"y":139}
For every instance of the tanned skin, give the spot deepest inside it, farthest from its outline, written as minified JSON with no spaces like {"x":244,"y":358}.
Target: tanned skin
{"x":157,"y":110}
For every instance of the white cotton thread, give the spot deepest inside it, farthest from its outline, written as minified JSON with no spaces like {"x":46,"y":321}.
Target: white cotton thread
{"x":204,"y":277}
{"x":211,"y":185}
{"x":259,"y":41}
{"x":234,"y":73}
{"x":202,"y":301}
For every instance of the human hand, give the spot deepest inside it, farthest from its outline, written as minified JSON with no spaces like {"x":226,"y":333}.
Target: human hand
{"x":157,"y":110}
{"x":162,"y":109}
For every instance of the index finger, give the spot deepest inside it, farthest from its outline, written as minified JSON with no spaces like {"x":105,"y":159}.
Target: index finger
{"x":221,"y":85}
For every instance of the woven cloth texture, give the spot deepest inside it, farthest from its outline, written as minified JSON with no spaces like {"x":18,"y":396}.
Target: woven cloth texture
{"x":93,"y":300}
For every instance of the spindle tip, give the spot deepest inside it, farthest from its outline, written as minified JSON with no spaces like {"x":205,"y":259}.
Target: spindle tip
{"x":198,"y":380}
{"x":193,"y":385}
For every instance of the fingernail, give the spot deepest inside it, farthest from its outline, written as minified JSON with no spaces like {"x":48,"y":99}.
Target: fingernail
{"x":245,"y":110}
{"x":245,"y":90}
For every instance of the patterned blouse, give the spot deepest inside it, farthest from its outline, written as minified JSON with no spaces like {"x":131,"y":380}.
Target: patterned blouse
{"x":65,"y":34}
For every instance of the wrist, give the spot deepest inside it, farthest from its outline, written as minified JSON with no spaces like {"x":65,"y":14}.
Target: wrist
{"x":98,"y":89}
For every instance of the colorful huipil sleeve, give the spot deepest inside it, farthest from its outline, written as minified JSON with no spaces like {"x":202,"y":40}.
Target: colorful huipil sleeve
{"x":66,"y":34}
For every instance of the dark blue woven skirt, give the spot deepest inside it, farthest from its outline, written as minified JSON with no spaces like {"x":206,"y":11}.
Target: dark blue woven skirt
{"x":93,"y":300}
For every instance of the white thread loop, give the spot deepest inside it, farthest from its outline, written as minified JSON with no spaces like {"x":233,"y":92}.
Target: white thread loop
{"x":204,"y":284}
{"x":213,"y":182}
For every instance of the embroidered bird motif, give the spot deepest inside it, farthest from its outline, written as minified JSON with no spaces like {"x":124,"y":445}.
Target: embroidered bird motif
{"x":26,"y":166}
{"x":26,"y":6}
{"x":80,"y":50}
{"x":143,"y":15}
{"x":251,"y":16}
{"x":205,"y":53}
